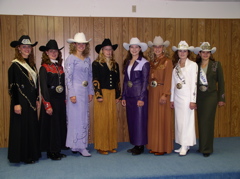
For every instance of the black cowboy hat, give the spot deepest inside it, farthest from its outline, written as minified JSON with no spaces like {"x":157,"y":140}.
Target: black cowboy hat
{"x":52,"y":44}
{"x":106,"y":42}
{"x":24,"y":40}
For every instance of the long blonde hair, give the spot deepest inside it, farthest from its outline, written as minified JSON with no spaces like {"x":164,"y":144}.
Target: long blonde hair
{"x":102,"y":59}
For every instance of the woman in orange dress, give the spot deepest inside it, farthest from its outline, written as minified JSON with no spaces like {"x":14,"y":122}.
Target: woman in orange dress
{"x":160,"y":139}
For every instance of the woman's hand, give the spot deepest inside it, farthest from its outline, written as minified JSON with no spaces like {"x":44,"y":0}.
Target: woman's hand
{"x":163,"y":99}
{"x":73,"y":99}
{"x":140,"y":103}
{"x":49,"y":111}
{"x":221,"y":103}
{"x":38,"y":104}
{"x":90,"y":97}
{"x":193,"y":106}
{"x":18,"y":109}
{"x":117,"y":101}
{"x":100,"y":100}
{"x":124,"y":103}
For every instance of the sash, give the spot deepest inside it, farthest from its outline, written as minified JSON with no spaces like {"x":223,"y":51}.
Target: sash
{"x":29,"y":69}
{"x":179,"y":73}
{"x":203,"y":77}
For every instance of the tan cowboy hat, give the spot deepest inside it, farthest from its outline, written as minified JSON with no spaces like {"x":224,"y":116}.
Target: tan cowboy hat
{"x":158,"y":41}
{"x":135,"y":41}
{"x":79,"y":38}
{"x":205,"y":46}
{"x":183,"y":45}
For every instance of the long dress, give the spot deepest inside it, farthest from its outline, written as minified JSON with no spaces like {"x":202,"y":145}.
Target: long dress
{"x":160,"y":130}
{"x":134,"y":89}
{"x":184,"y":117}
{"x":107,"y":86}
{"x":53,"y":127}
{"x":24,"y":127}
{"x":78,"y":79}
{"x":207,"y":103}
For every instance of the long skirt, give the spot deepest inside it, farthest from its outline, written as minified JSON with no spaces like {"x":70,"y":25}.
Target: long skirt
{"x":137,"y":118}
{"x":105,"y":121}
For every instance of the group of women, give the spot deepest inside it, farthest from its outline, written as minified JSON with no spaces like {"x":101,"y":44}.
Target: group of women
{"x":150,"y":89}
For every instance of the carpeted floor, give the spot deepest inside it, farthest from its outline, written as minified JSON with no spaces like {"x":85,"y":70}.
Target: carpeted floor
{"x":223,"y":163}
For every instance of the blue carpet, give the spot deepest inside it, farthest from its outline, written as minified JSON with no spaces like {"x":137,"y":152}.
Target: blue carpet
{"x":223,"y":163}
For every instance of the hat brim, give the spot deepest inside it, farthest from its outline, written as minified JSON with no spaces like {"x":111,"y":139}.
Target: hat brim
{"x":75,"y":41}
{"x":99,"y":47}
{"x":191,"y":48}
{"x":198,"y":49}
{"x":143,"y":46}
{"x":44,"y":48}
{"x":16,"y":43}
{"x":165,"y":44}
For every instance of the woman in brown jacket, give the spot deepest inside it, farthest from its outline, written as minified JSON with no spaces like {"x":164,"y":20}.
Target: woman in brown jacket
{"x":159,"y":111}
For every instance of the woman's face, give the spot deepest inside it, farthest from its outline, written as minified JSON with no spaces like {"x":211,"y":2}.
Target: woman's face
{"x":25,"y":50}
{"x":80,"y":47}
{"x":52,"y":54}
{"x":158,"y":50}
{"x":134,"y":50}
{"x":205,"y":55}
{"x":183,"y":54}
{"x":107,"y":51}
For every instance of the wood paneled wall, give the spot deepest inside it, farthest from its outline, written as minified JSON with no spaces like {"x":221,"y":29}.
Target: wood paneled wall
{"x":221,"y":33}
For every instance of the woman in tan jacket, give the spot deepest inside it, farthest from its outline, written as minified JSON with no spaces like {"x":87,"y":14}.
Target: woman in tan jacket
{"x":159,"y":112}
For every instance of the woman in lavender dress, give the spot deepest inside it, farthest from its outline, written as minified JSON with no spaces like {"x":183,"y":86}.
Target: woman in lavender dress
{"x":78,"y":72}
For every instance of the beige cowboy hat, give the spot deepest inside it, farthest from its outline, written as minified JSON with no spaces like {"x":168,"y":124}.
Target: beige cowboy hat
{"x":79,"y":38}
{"x":205,"y":46}
{"x":183,"y":45}
{"x":158,"y":41}
{"x":135,"y":41}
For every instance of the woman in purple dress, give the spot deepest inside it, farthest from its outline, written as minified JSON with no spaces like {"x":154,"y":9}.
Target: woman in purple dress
{"x":78,"y":79}
{"x":135,"y":94}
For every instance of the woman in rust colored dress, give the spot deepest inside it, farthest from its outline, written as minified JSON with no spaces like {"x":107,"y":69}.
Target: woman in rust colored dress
{"x":160,"y":139}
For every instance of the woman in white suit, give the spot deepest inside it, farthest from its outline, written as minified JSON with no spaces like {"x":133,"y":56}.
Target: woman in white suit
{"x":183,"y":96}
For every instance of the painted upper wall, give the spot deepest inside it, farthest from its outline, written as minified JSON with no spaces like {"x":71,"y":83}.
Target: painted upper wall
{"x":124,"y":8}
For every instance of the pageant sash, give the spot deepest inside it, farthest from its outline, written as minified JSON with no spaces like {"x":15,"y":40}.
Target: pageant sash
{"x":203,"y":77}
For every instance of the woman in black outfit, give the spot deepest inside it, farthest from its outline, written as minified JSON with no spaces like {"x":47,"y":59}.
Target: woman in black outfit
{"x":23,"y":89}
{"x":53,"y":108}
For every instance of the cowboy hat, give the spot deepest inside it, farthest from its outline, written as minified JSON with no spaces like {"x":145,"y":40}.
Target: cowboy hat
{"x":135,"y":41}
{"x":24,"y":40}
{"x":52,"y":44}
{"x":158,"y":41}
{"x":106,"y":42}
{"x":79,"y":38}
{"x":183,"y":46}
{"x":205,"y":46}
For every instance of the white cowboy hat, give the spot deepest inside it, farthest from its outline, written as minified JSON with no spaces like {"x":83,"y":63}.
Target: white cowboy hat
{"x":205,"y":46}
{"x":79,"y":38}
{"x":183,"y":46}
{"x":135,"y":41}
{"x":158,"y":41}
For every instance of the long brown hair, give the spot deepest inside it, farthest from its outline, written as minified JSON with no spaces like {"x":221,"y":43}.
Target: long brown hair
{"x":175,"y":57}
{"x":129,"y":57}
{"x":46,"y":59}
{"x":19,"y":56}
{"x":199,"y":58}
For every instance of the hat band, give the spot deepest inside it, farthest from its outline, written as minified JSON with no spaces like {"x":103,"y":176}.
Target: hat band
{"x":206,"y":48}
{"x":182,"y":46}
{"x":26,"y":41}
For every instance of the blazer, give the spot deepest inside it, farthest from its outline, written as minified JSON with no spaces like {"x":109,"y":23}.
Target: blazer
{"x":138,"y":77}
{"x":103,"y":78}
{"x":191,"y":80}
{"x":215,"y":79}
